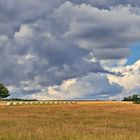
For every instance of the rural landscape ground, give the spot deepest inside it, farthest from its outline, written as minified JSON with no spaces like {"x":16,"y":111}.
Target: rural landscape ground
{"x":81,"y":121}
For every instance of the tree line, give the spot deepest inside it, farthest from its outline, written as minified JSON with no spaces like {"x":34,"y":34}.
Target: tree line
{"x":134,"y":97}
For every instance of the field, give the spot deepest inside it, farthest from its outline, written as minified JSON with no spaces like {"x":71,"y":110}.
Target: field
{"x":81,"y":121}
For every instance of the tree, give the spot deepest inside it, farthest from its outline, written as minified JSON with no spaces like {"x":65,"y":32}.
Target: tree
{"x":4,"y":92}
{"x":135,"y":97}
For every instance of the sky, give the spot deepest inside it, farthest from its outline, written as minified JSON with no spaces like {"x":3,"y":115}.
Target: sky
{"x":70,"y":49}
{"x":135,"y":54}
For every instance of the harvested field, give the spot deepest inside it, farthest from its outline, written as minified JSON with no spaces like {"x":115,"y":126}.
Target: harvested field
{"x":81,"y":121}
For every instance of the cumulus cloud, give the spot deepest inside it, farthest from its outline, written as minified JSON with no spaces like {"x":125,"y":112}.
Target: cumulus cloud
{"x":46,"y":44}
{"x":91,"y":86}
{"x":108,"y":32}
{"x":130,"y":81}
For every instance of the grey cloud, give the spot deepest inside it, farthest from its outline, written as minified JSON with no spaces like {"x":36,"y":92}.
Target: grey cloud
{"x":16,"y":12}
{"x":106,"y":4}
{"x":46,"y":42}
{"x":53,"y":61}
{"x":111,"y":53}
{"x":102,"y":29}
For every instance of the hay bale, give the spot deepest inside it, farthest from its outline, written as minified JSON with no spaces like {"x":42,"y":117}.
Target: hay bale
{"x":20,"y":103}
{"x":73,"y":102}
{"x":15,"y":103}
{"x":8,"y":103}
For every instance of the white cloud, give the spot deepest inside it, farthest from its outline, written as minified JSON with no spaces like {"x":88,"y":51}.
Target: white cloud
{"x":91,"y":86}
{"x":130,"y":81}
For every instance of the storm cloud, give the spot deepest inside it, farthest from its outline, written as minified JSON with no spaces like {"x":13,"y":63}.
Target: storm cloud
{"x":44,"y":43}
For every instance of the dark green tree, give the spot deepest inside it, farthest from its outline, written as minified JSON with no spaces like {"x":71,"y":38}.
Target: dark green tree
{"x":4,"y":92}
{"x":135,"y":97}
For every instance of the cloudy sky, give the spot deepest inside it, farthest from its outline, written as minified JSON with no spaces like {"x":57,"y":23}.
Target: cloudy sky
{"x":76,"y":49}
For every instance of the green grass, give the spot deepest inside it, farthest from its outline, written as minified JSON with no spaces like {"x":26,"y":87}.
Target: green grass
{"x":70,"y":122}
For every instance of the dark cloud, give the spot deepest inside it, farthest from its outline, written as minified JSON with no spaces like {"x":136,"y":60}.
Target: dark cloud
{"x":44,"y":42}
{"x":106,"y":4}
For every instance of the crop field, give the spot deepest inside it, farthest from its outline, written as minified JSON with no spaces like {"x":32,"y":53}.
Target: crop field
{"x":79,"y":121}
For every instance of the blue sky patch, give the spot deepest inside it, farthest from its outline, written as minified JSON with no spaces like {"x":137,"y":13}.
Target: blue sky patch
{"x":135,"y":54}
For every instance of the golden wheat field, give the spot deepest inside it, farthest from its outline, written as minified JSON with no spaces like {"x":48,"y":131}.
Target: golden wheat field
{"x":81,"y":121}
